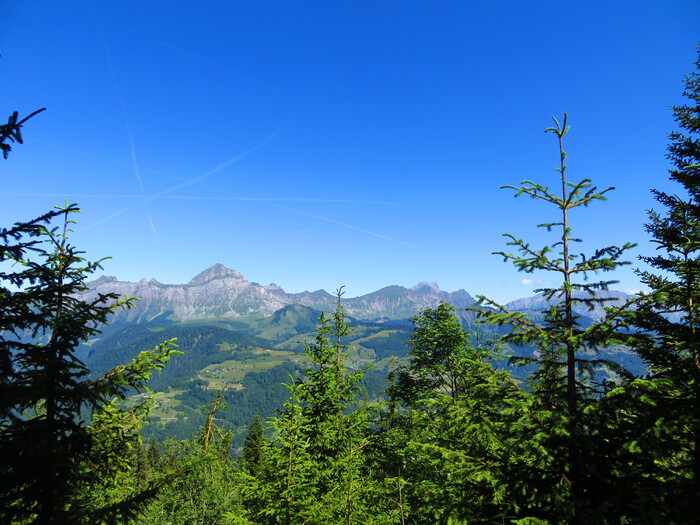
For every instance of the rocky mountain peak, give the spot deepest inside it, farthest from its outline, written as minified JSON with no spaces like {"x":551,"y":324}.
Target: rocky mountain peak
{"x":104,"y":279}
{"x":218,"y":271}
{"x":432,"y":286}
{"x":220,"y":292}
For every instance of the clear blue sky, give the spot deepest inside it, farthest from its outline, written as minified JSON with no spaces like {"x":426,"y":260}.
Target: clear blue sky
{"x":324,"y":143}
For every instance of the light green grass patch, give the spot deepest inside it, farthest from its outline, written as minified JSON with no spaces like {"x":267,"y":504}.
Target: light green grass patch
{"x":230,"y":373}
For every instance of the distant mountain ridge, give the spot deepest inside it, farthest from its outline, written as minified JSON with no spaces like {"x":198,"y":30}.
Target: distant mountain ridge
{"x":246,"y":339}
{"x":596,"y":311}
{"x":220,"y":292}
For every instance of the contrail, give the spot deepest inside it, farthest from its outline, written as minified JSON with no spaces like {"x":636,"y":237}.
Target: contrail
{"x":82,"y":152}
{"x":271,"y":202}
{"x":153,"y":227}
{"x":135,"y":164}
{"x":194,"y":180}
{"x":164,"y":194}
{"x":168,"y":46}
{"x":351,"y":227}
{"x":134,"y":161}
{"x":367,"y":232}
{"x":232,"y":160}
{"x":202,"y":198}
{"x":235,"y":197}
{"x":186,"y":53}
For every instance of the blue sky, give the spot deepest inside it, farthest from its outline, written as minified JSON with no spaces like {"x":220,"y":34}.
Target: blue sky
{"x":323,"y":143}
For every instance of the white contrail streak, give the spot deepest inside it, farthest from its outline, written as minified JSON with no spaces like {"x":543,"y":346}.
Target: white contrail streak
{"x":191,"y":181}
{"x":187,"y":53}
{"x":81,"y":152}
{"x":351,"y":227}
{"x":166,"y":45}
{"x":271,"y":202}
{"x":164,"y":194}
{"x":234,"y":197}
{"x":186,"y":197}
{"x":202,"y":198}
{"x":153,"y":227}
{"x":134,"y":161}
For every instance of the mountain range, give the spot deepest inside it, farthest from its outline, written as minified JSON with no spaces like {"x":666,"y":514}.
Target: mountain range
{"x":246,"y":339}
{"x":220,"y":292}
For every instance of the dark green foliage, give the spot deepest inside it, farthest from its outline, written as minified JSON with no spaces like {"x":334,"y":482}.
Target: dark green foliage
{"x":439,"y":343}
{"x":666,"y":434}
{"x":253,"y":447}
{"x":387,"y":343}
{"x":203,"y":342}
{"x":12,"y":131}
{"x":457,"y":451}
{"x":262,"y":393}
{"x":565,"y":347}
{"x":205,"y":479}
{"x":287,"y":322}
{"x":374,"y":384}
{"x":314,"y":467}
{"x":459,"y":440}
{"x":48,"y":450}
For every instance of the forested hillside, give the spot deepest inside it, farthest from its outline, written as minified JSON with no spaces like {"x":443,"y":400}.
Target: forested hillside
{"x":246,"y":361}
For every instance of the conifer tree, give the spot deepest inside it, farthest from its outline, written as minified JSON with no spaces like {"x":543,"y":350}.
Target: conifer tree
{"x":53,"y":462}
{"x":667,"y":327}
{"x":439,"y":344}
{"x":252,"y":455}
{"x":314,"y":470}
{"x":563,"y":382}
{"x":460,"y":445}
{"x":12,"y":131}
{"x":206,"y":483}
{"x":56,"y":468}
{"x":284,"y":492}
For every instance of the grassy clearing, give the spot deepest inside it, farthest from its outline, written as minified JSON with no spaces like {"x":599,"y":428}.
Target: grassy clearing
{"x":166,"y":408}
{"x":230,"y":374}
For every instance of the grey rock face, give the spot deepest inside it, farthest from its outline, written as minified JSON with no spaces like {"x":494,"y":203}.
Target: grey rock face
{"x":223,"y":292}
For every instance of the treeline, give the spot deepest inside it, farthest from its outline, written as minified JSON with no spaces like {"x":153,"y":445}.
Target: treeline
{"x":456,"y":441}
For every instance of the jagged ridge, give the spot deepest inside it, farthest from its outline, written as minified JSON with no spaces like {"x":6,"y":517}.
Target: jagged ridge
{"x":222,"y":292}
